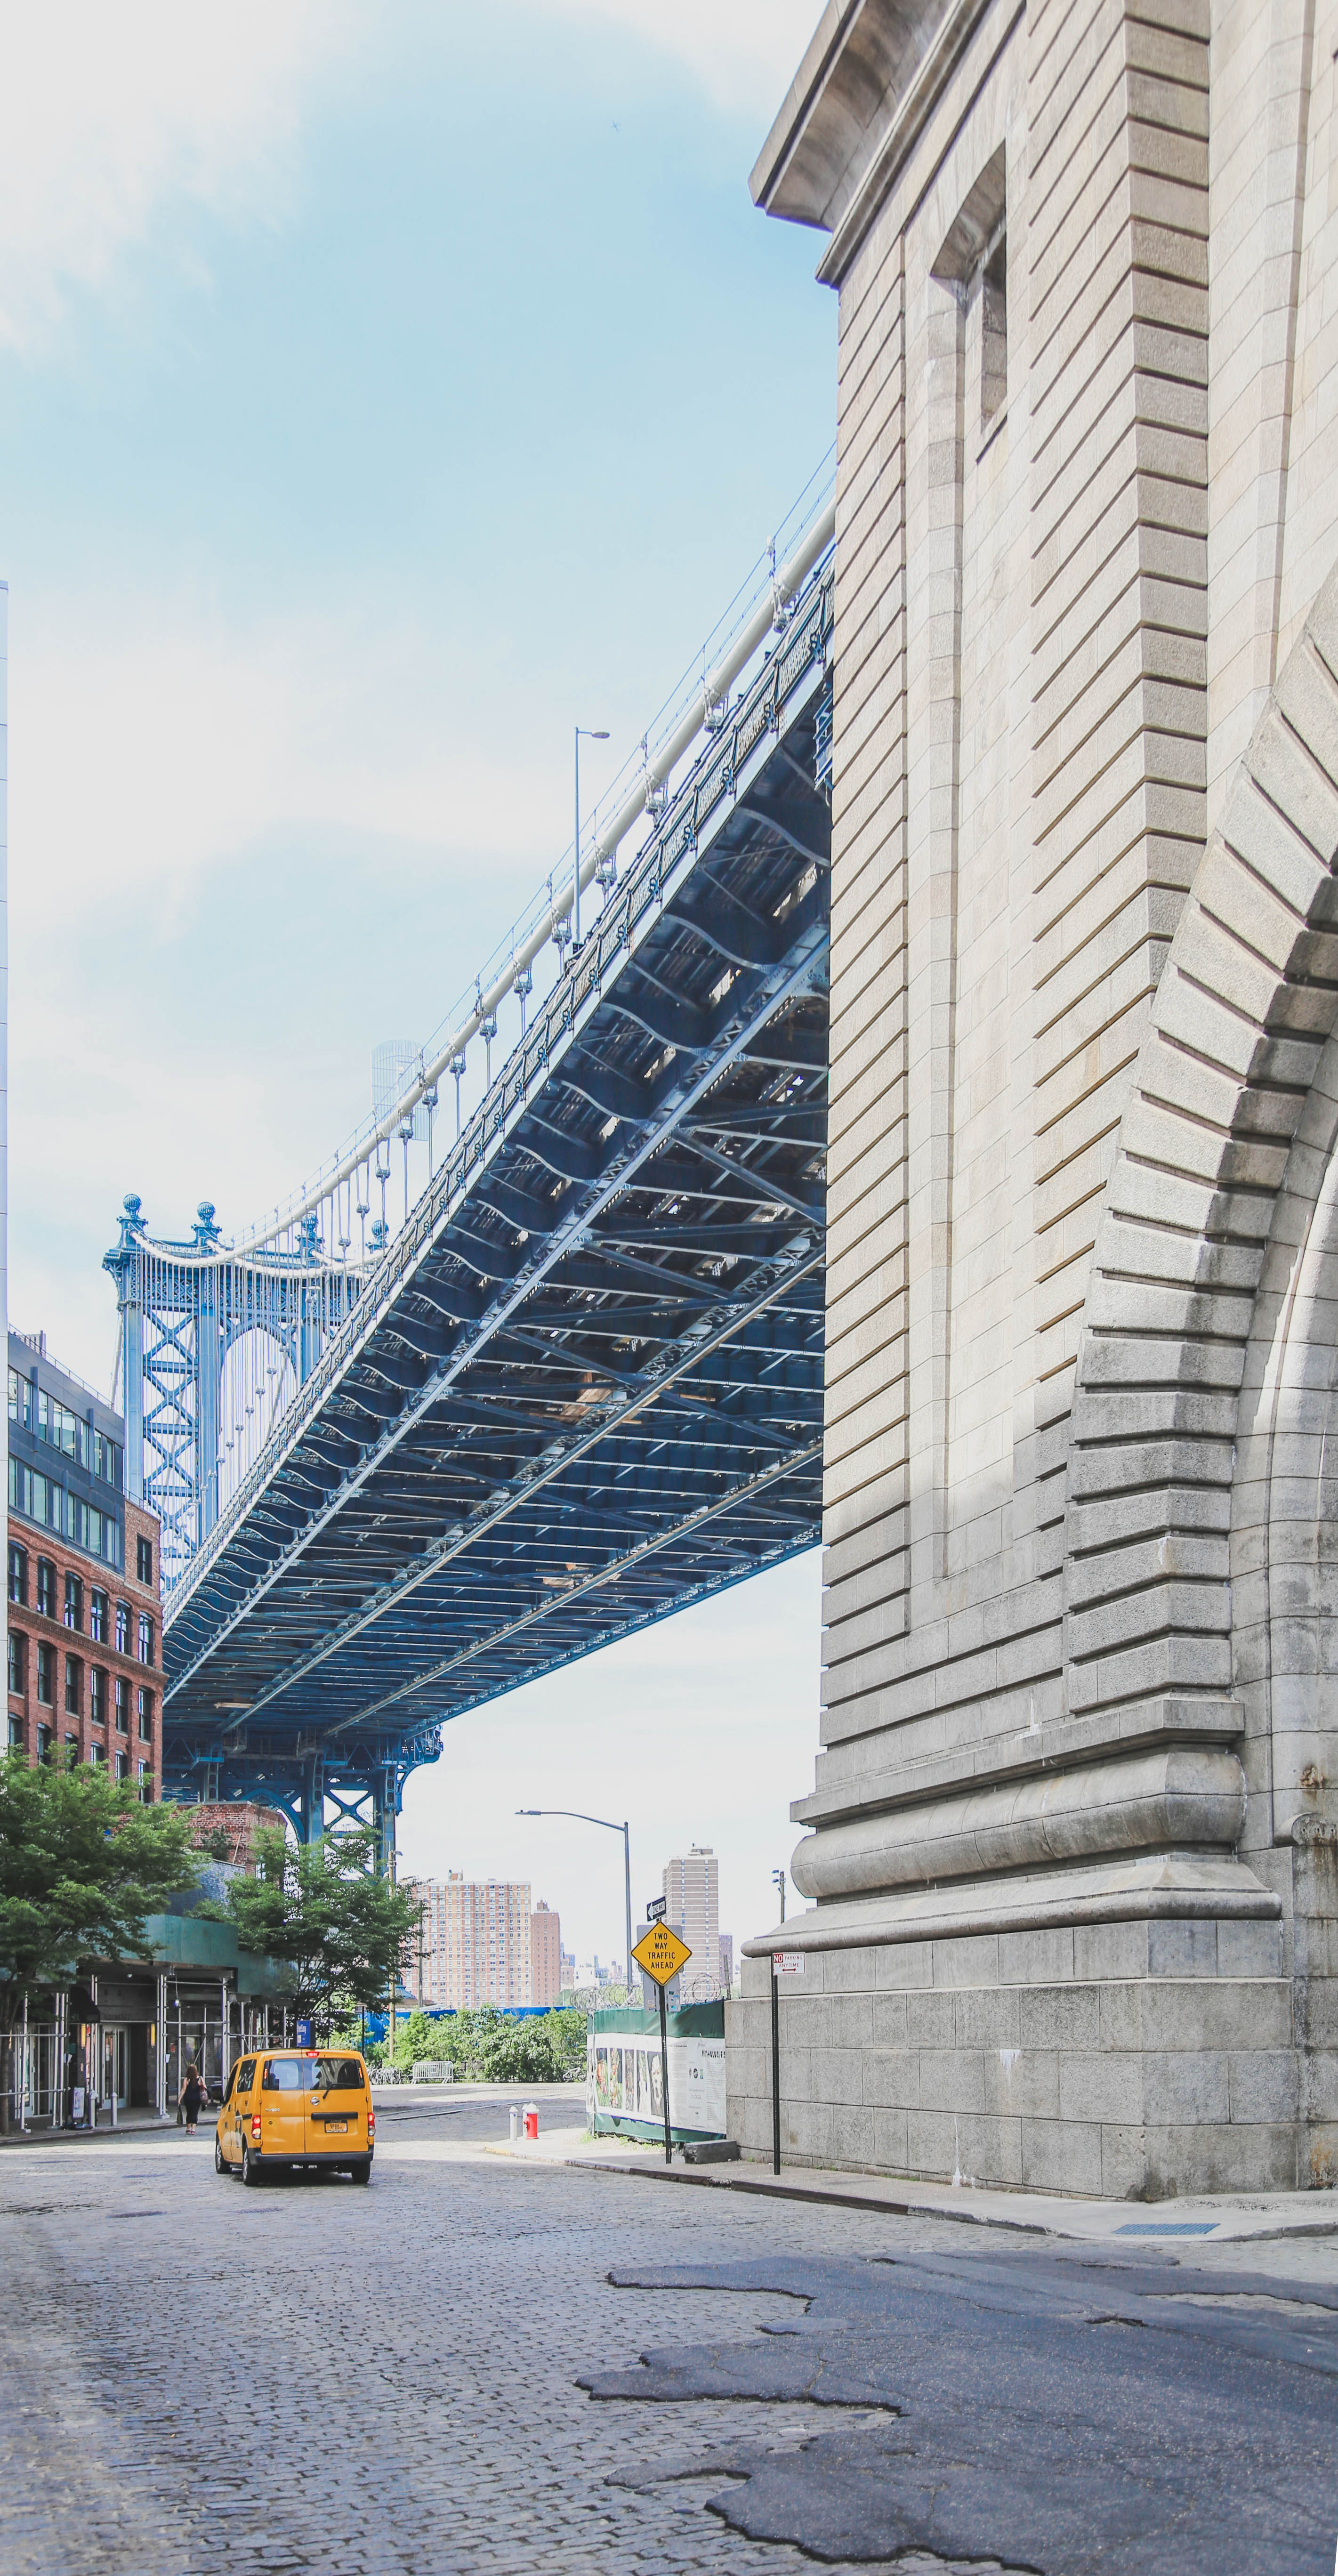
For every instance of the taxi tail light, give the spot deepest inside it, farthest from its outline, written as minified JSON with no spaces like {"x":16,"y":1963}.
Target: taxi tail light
{"x":371,"y":2121}
{"x":255,"y":2124}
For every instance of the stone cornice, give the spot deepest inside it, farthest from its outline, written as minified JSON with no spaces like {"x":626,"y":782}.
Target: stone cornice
{"x":868,"y":83}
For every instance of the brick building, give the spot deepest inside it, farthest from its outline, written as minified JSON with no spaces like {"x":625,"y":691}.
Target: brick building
{"x":84,"y":1580}
{"x":476,"y":1942}
{"x":545,"y":1954}
{"x":692,"y":1904}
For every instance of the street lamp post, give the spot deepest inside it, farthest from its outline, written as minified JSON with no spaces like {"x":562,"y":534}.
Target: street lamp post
{"x":778,"y":1880}
{"x":581,"y":1818}
{"x":591,"y":733}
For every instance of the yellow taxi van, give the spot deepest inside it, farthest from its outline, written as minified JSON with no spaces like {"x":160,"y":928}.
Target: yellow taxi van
{"x":285,"y":2109}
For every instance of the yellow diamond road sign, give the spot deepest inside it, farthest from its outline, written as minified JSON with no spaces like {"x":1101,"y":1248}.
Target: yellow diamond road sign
{"x":661,"y":1953}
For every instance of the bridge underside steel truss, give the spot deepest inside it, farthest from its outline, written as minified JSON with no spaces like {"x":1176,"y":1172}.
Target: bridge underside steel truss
{"x":584,"y":1386}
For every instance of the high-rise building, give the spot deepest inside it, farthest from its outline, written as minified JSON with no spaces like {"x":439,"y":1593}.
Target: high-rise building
{"x":545,"y":1955}
{"x":85,"y":1646}
{"x":569,"y":1969}
{"x":692,"y":1905}
{"x":476,"y":1942}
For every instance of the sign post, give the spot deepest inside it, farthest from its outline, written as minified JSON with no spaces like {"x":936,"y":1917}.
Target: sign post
{"x":660,"y":1954}
{"x":784,"y":1963}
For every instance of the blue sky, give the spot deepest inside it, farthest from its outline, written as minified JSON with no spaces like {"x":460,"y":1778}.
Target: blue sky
{"x":383,"y":389}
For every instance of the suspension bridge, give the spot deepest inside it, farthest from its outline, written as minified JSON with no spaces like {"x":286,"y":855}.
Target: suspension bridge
{"x":574,"y":1382}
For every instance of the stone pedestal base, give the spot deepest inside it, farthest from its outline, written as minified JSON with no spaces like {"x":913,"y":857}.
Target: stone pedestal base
{"x":1127,"y":2060}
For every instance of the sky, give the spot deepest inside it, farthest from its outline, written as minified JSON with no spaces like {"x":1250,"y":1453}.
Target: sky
{"x":383,"y":389}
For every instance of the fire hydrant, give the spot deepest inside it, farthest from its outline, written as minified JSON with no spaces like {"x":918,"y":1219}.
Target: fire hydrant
{"x":531,"y":2119}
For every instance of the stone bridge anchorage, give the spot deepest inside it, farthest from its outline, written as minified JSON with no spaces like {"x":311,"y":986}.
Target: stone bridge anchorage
{"x":1071,"y":1847}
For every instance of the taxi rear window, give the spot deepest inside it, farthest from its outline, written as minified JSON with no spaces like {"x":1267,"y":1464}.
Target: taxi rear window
{"x":284,"y":2075}
{"x":338,"y":2075}
{"x":246,"y":2074}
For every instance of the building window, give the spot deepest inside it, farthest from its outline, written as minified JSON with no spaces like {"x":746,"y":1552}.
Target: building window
{"x":96,"y":1755}
{"x":144,"y":1560}
{"x":16,"y":1735}
{"x":18,"y":1576}
{"x":20,"y":1400}
{"x":46,"y":1587}
{"x":146,"y":1717}
{"x":18,"y":1663}
{"x":97,"y":1696}
{"x":46,"y":1675}
{"x":74,"y":1675}
{"x":74,"y":1602}
{"x":994,"y":331}
{"x":145,"y":1638}
{"x":122,"y":1705}
{"x":123,"y":1627}
{"x":122,"y":1766}
{"x":145,"y":1784}
{"x":63,"y":1429}
{"x":106,"y":1459}
{"x":71,"y":1748}
{"x":98,"y":1613}
{"x":44,"y":1744}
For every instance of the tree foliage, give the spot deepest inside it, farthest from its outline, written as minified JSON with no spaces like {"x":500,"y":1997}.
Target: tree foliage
{"x":341,"y":1931}
{"x":546,"y":2048}
{"x":82,"y":1864}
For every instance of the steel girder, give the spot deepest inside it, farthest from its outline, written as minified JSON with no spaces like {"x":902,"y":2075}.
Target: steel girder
{"x":584,"y":1386}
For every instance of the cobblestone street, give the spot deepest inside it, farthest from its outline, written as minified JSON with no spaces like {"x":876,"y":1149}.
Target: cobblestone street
{"x":386,"y":2380}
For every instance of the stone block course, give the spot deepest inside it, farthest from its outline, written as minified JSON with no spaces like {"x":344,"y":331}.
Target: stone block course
{"x":1075,"y":1256}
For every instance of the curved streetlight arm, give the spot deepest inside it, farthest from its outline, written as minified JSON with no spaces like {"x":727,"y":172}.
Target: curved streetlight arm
{"x":580,"y":1817}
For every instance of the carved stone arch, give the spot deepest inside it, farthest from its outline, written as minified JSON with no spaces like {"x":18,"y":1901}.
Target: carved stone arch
{"x":1225,"y":1139}
{"x":1284,"y":1533}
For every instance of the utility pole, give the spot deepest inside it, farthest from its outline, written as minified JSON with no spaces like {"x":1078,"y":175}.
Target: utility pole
{"x":579,"y":1816}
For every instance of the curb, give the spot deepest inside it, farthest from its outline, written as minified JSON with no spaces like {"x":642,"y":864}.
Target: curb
{"x":1110,"y":2224}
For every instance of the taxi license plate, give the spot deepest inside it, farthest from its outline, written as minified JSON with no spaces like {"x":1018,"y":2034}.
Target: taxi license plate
{"x":340,"y":2125}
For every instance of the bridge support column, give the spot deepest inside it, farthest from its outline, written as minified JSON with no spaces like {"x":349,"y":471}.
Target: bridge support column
{"x":208,"y":1390}
{"x":385,"y":1807}
{"x":311,"y":1819}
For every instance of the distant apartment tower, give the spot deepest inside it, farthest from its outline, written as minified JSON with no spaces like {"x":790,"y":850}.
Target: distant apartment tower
{"x":85,"y":1648}
{"x":692,"y":1905}
{"x":569,"y":1970}
{"x":545,"y":1955}
{"x":476,"y":1942}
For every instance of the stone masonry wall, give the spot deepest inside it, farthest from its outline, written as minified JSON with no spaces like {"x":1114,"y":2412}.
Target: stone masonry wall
{"x":1083,"y":1247}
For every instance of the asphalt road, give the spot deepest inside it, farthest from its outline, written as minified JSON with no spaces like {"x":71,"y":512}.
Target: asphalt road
{"x":483,"y":2364}
{"x":469,"y":2114}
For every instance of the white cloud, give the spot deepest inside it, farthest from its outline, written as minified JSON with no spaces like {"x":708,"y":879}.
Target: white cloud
{"x":109,"y":112}
{"x":745,"y":53}
{"x":150,"y":746}
{"x":112,"y":115}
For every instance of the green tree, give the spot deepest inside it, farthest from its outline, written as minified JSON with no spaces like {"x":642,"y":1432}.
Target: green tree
{"x":82,"y":1864}
{"x":417,"y":2036}
{"x":342,"y":1931}
{"x":545,"y":2048}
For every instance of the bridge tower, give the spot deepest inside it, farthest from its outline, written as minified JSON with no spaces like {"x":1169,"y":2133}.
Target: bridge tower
{"x":213,"y":1344}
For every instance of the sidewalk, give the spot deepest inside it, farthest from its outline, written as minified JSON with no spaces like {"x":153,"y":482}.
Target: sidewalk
{"x":1228,"y":2217}
{"x":129,"y":2124}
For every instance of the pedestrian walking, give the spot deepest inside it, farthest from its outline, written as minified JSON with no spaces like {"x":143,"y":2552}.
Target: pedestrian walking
{"x":193,"y":2097}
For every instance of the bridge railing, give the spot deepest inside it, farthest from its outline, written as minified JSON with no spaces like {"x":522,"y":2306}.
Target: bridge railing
{"x":761,"y":609}
{"x":802,"y":638}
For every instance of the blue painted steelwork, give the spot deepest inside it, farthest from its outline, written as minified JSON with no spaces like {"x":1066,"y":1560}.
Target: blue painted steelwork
{"x":183,"y":1308}
{"x":583,"y":1387}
